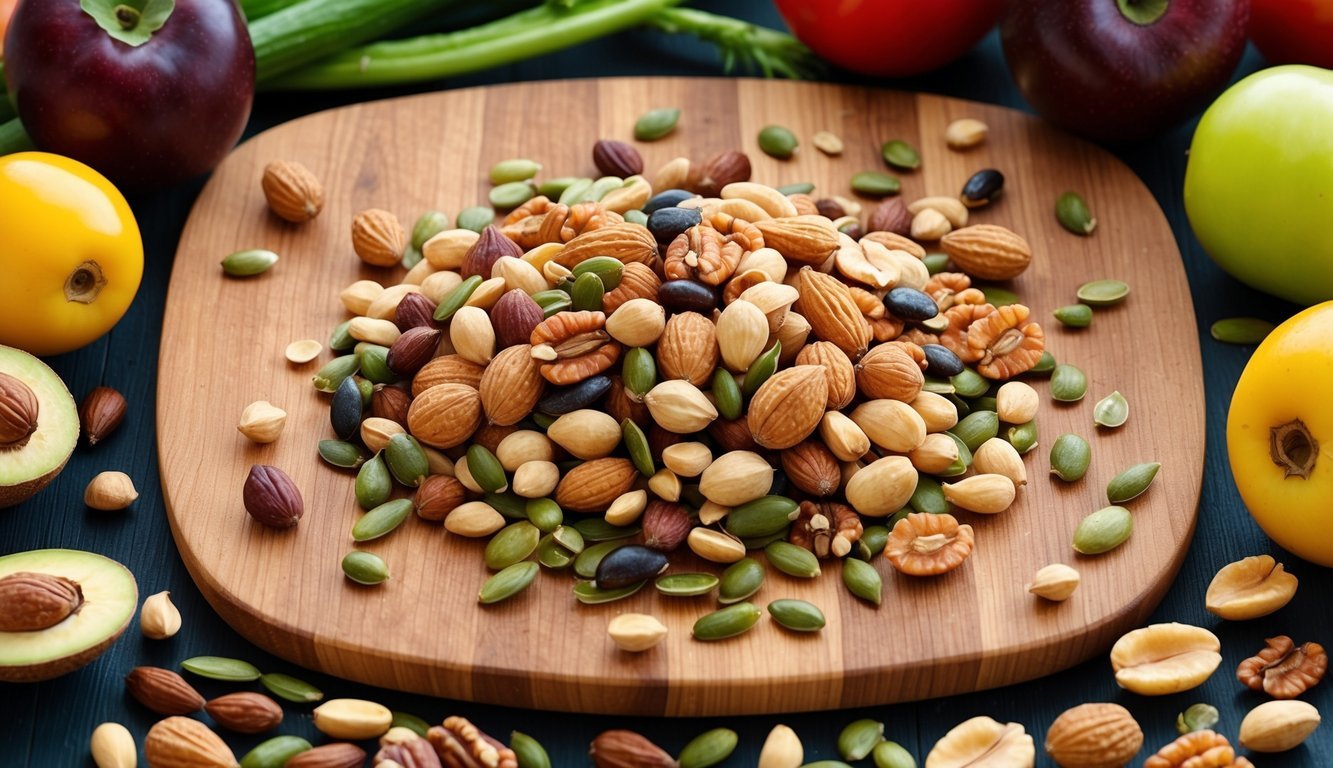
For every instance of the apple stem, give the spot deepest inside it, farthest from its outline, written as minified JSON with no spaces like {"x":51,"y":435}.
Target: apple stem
{"x":1143,"y":12}
{"x":128,"y":16}
{"x":85,"y":282}
{"x":1293,"y":448}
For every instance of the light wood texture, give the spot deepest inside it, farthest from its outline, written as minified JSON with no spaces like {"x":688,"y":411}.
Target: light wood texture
{"x":423,"y":631}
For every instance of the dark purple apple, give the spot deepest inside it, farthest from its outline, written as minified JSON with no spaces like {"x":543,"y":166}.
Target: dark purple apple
{"x":1119,"y":70}
{"x":148,"y":92}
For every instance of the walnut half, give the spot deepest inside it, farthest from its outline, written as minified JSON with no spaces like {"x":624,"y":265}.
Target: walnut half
{"x":1284,"y":670}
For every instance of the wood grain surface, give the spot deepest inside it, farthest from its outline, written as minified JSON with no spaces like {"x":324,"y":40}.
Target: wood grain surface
{"x":424,"y":631}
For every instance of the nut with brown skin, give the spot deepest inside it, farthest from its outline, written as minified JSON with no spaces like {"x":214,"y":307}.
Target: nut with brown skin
{"x":890,"y":216}
{"x":1283,"y":669}
{"x":337,"y":755}
{"x":414,"y":311}
{"x":616,"y":158}
{"x":666,"y":525}
{"x":245,"y":712}
{"x":390,"y":402}
{"x":459,"y":744}
{"x":163,"y":691}
{"x":627,"y":749}
{"x":487,"y":250}
{"x":18,"y":412}
{"x":514,"y":317}
{"x":378,"y":237}
{"x":292,"y":191}
{"x":438,"y":495}
{"x":414,"y":752}
{"x":813,"y":468}
{"x":181,"y":742}
{"x":30,"y":602}
{"x":272,"y":498}
{"x":727,"y":167}
{"x":100,"y":413}
{"x":413,"y":349}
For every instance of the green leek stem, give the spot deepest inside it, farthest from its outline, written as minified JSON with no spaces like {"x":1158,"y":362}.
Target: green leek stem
{"x":536,"y":31}
{"x":753,"y":47}
{"x":13,"y":138}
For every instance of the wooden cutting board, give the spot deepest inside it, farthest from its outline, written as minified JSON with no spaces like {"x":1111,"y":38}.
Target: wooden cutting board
{"x":975,"y":628}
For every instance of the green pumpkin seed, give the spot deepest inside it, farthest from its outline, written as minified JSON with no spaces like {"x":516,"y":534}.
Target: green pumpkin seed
{"x":1103,"y":530}
{"x":976,"y":428}
{"x":741,"y":580}
{"x":778,"y":142}
{"x":938,"y":386}
{"x":1103,"y":293}
{"x":543,"y":513}
{"x":826,"y":764}
{"x":1111,"y":411}
{"x":859,"y":738}
{"x":708,"y":748}
{"x":1074,"y":315}
{"x":609,"y":270}
{"x":686,"y":584}
{"x":508,"y":582}
{"x":586,"y":293}
{"x":510,"y":505}
{"x":221,"y":668}
{"x":872,"y":542}
{"x":639,"y":373}
{"x":341,"y":454}
{"x":335,"y":371}
{"x":552,"y":555}
{"x":759,"y":542}
{"x":984,"y":403}
{"x":797,"y":615}
{"x":375,"y":364}
{"x":1068,"y":383}
{"x":1132,"y":483}
{"x":597,"y":529}
{"x":1196,"y":718}
{"x":862,"y":580}
{"x":899,"y":154}
{"x":997,"y":296}
{"x":727,"y":395}
{"x":529,"y":752}
{"x":486,"y":469}
{"x":636,"y":444}
{"x":764,"y":516}
{"x":513,"y":544}
{"x":936,"y":262}
{"x":656,"y":123}
{"x":476,"y":218}
{"x":367,"y":391}
{"x":602,"y":186}
{"x":969,"y":383}
{"x":588,"y":593}
{"x":428,"y":225}
{"x":568,"y":537}
{"x":964,"y":457}
{"x":1241,"y":330}
{"x":381,"y":520}
{"x":762,"y":368}
{"x":636,"y":217}
{"x":411,"y":722}
{"x":893,"y":519}
{"x":575,"y":191}
{"x":1022,"y":437}
{"x":249,"y":263}
{"x":726,"y":622}
{"x":509,"y":171}
{"x":457,"y":298}
{"x":798,"y":188}
{"x":890,"y":754}
{"x":585,"y":565}
{"x":1073,"y":214}
{"x":340,"y":339}
{"x":1070,"y":457}
{"x":275,"y":752}
{"x":290,"y":688}
{"x":407,"y":460}
{"x":928,"y":498}
{"x":511,"y":195}
{"x":875,"y":184}
{"x":1045,"y":364}
{"x":373,"y":483}
{"x":791,"y":559}
{"x":365,"y":568}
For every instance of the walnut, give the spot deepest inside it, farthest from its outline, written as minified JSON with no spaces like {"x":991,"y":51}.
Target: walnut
{"x":701,"y":253}
{"x":412,"y":753}
{"x":943,"y":286}
{"x":1284,"y":670}
{"x":928,"y":545}
{"x":883,"y":326}
{"x":573,"y":346}
{"x":734,"y":230}
{"x":1200,"y":749}
{"x":460,"y":745}
{"x":919,"y":337}
{"x":827,"y":528}
{"x":1004,"y":343}
{"x":960,"y":318}
{"x":540,"y":221}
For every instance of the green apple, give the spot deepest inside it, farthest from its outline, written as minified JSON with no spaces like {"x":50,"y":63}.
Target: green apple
{"x":1259,"y":184}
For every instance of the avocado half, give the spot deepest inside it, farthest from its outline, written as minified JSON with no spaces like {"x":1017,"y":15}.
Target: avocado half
{"x":109,"y":596}
{"x":26,"y":469}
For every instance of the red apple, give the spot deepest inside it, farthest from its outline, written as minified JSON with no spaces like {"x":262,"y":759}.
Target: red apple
{"x":148,"y":92}
{"x":1119,"y":70}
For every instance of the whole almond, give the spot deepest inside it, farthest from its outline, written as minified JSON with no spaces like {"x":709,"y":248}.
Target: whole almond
{"x":1277,"y":726}
{"x":626,"y":242}
{"x":889,"y":372}
{"x":100,"y":414}
{"x":472,"y":334}
{"x":627,"y":749}
{"x":842,"y":435}
{"x":445,"y":415}
{"x":163,"y":691}
{"x":448,"y":369}
{"x":413,"y":349}
{"x":782,"y":749}
{"x":437,"y":496}
{"x":742,"y":334}
{"x":593,"y":485}
{"x":813,"y":468}
{"x":519,"y":275}
{"x":514,"y":316}
{"x":882,"y":487}
{"x":337,"y":755}
{"x":357,"y":297}
{"x":688,"y":348}
{"x":271,"y":497}
{"x":447,"y":249}
{"x":988,"y":251}
{"x":378,"y":238}
{"x":30,"y":602}
{"x":511,"y":385}
{"x":414,"y":311}
{"x":616,"y":158}
{"x":987,"y":494}
{"x":292,"y":191}
{"x":828,"y":306}
{"x":774,"y":299}
{"x":473,"y":519}
{"x":181,"y":742}
{"x":802,"y":241}
{"x":839,"y":375}
{"x":245,"y":712}
{"x":724,"y":168}
{"x":788,"y":406}
{"x":1098,"y":735}
{"x":935,"y":410}
{"x":352,"y":718}
{"x":535,"y":479}
{"x":385,"y":305}
{"x":998,"y":456}
{"x":665,"y":525}
{"x":390,"y":402}
{"x":935,"y":454}
{"x":487,"y":249}
{"x":687,"y":459}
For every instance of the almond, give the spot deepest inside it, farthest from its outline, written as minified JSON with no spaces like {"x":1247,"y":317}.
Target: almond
{"x":511,"y":385}
{"x":378,"y":238}
{"x":616,"y":158}
{"x":101,"y":413}
{"x":839,"y":376}
{"x":449,"y":369}
{"x":890,"y":216}
{"x":665,"y":525}
{"x":1099,"y":735}
{"x":471,"y":333}
{"x":519,"y":275}
{"x":935,"y":454}
{"x":688,"y":348}
{"x":180,"y":742}
{"x":112,"y":746}
{"x":473,"y":519}
{"x":935,"y":410}
{"x":987,"y":494}
{"x":988,"y":251}
{"x":390,"y":402}
{"x":774,"y":299}
{"x":721,"y":170}
{"x":625,"y":242}
{"x":593,"y":485}
{"x":30,"y":602}
{"x":292,"y":191}
{"x":788,"y":406}
{"x":998,"y":456}
{"x":484,"y":252}
{"x":793,"y":334}
{"x":437,"y":496}
{"x":627,"y":749}
{"x":804,"y":242}
{"x":385,"y":305}
{"x":414,"y":311}
{"x":828,"y":306}
{"x":813,"y":468}
{"x":352,"y":718}
{"x":413,"y":349}
{"x":445,"y":415}
{"x":889,"y":372}
{"x":513,"y":317}
{"x":338,"y":755}
{"x":163,"y":691}
{"x":245,"y":712}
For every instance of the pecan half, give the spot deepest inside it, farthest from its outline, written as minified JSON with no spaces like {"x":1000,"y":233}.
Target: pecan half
{"x":1284,"y":670}
{"x":1005,"y":343}
{"x":701,"y":253}
{"x":1200,"y":749}
{"x":415,"y":753}
{"x":573,"y":346}
{"x":543,"y":221}
{"x":828,"y":529}
{"x":460,"y":744}
{"x":928,"y":545}
{"x":960,"y":318}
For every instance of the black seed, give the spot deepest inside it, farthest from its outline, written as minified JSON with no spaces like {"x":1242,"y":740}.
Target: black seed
{"x":575,"y":396}
{"x":669,"y":198}
{"x":984,"y":187}
{"x":667,"y":223}
{"x":779,"y":484}
{"x":345,"y":409}
{"x":910,"y":304}
{"x":629,"y":565}
{"x":941,"y":361}
{"x":687,"y":296}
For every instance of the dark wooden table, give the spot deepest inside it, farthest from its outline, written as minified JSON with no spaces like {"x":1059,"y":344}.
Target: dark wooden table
{"x":48,"y":724}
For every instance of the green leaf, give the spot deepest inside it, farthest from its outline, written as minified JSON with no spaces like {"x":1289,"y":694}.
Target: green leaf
{"x":132,"y":22}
